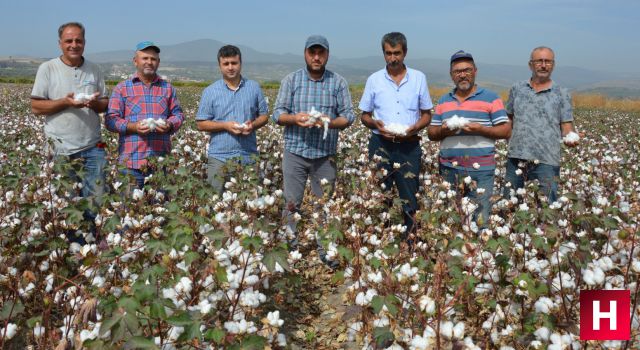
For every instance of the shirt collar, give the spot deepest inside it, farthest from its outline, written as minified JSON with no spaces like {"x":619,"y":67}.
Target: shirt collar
{"x":404,"y":79}
{"x":241,"y":84}
{"x":137,"y":78}
{"x":324,"y":75}
{"x":478,"y":91}
{"x":551,"y":87}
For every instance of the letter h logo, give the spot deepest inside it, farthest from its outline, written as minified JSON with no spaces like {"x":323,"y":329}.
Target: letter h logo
{"x":605,"y":314}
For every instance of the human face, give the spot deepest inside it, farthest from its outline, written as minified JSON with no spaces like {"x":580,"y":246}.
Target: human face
{"x":316,"y":58}
{"x":230,"y":67}
{"x":394,"y":56}
{"x":463,"y":74}
{"x":541,"y":64}
{"x":146,"y":62}
{"x":72,"y":44}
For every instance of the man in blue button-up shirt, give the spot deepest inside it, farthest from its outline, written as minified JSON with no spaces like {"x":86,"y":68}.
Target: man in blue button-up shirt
{"x":231,"y":109}
{"x":308,"y":153}
{"x":396,"y":105}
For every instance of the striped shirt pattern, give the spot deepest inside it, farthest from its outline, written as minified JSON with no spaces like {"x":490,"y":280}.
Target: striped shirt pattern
{"x":132,"y":101}
{"x":220,"y":103}
{"x":484,"y":107}
{"x":298,"y":93}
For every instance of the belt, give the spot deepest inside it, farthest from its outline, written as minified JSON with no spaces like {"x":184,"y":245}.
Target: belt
{"x":402,"y":139}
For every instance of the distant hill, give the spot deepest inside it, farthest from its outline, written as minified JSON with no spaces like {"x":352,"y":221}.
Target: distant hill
{"x":196,"y":60}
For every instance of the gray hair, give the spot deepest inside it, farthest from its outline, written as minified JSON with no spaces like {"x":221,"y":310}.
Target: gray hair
{"x":70,"y":24}
{"x":539,"y":48}
{"x":393,"y":39}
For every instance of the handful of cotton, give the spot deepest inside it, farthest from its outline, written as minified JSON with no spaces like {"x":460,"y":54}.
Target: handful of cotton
{"x":397,"y":129}
{"x":242,"y":126}
{"x":571,"y":137}
{"x":83,"y":97}
{"x":456,"y":122}
{"x":153,"y":123}
{"x":314,"y":117}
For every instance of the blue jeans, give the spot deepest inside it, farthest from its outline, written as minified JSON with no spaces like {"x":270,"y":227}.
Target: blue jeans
{"x":92,"y":176}
{"x":137,"y":174}
{"x":483,"y":179}
{"x":547,"y":175}
{"x":408,"y":155}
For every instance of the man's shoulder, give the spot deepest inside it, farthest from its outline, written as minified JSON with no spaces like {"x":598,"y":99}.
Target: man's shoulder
{"x":295,"y":74}
{"x":335,"y":76}
{"x":520,"y":84}
{"x":488,"y":94}
{"x":49,"y":64}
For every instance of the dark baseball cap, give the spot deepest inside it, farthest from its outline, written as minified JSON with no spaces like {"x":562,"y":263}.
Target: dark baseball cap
{"x":316,"y":40}
{"x":147,"y":44}
{"x":460,"y":55}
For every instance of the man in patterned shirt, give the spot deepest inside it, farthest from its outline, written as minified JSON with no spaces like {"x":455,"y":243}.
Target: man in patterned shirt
{"x":542,"y":114}
{"x":468,"y":153}
{"x":231,"y":110}
{"x":133,"y":103}
{"x":307,"y":152}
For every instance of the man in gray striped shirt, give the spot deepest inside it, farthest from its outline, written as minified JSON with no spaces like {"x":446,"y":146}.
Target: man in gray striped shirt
{"x":309,"y":149}
{"x":231,"y":109}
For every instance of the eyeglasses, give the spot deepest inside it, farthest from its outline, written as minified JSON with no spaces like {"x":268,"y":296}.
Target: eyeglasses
{"x":465,"y":71}
{"x":543,"y":62}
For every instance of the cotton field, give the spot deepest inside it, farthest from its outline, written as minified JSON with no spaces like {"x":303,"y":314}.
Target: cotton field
{"x":174,"y":266}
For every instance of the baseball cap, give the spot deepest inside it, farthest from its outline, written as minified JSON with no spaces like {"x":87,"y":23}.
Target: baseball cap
{"x":316,"y":40}
{"x":461,"y":54}
{"x":147,"y":44}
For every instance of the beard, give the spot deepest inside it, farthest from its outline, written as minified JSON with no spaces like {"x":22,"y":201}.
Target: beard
{"x":317,"y":71}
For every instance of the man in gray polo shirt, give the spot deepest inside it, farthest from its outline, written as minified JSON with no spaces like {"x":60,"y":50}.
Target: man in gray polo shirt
{"x":542,"y":115}
{"x":70,"y":92}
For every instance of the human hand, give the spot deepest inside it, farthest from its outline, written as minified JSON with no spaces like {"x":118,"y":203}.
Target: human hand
{"x":302,"y":120}
{"x":379,"y":124}
{"x":162,"y":128}
{"x":72,"y":102}
{"x":472,"y":128}
{"x":142,"y":128}
{"x":234,"y":128}
{"x":247,"y":127}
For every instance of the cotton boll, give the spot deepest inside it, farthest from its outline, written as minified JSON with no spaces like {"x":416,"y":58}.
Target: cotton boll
{"x":83,"y":97}
{"x":11,"y":331}
{"x":397,"y":129}
{"x":456,"y":122}
{"x":571,"y":137}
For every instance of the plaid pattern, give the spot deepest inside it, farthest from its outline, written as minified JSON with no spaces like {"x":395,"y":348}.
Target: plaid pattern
{"x":329,"y":95}
{"x":132,"y":101}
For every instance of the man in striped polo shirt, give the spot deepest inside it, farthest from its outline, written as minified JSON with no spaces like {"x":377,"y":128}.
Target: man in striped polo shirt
{"x":231,"y":110}
{"x":467,"y":145}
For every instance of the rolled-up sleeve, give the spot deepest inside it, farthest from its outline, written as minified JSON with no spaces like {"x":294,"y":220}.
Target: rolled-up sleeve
{"x":176,"y":117}
{"x":284,"y":99}
{"x":366,"y":101}
{"x":115,"y":120}
{"x":345,"y":106}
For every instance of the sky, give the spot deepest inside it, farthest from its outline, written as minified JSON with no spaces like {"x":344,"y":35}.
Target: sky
{"x":593,"y":34}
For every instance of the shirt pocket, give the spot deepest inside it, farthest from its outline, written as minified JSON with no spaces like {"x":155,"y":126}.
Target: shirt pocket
{"x":411,"y":103}
{"x":133,"y":107}
{"x":161,"y":106}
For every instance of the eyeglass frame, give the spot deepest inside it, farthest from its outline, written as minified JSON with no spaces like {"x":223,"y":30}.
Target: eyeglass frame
{"x":542,"y":62}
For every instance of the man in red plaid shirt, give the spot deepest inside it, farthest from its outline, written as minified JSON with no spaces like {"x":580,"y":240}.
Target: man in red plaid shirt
{"x":145,"y":111}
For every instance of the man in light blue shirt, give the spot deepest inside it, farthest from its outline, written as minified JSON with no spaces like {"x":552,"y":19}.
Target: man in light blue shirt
{"x":396,"y":105}
{"x":231,"y":109}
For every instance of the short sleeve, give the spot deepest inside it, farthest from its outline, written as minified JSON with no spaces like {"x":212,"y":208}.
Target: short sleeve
{"x":41,"y":84}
